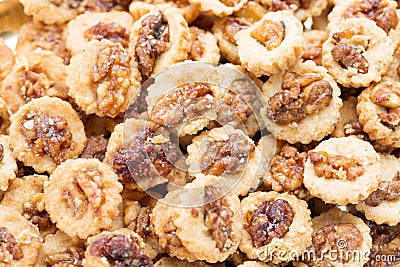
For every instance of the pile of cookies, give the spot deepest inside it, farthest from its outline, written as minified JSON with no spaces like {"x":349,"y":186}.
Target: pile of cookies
{"x":294,"y":163}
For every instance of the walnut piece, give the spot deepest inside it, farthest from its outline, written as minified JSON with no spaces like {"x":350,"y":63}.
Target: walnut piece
{"x":336,"y":167}
{"x":270,"y":220}
{"x":83,"y":192}
{"x":183,"y":104}
{"x":287,"y":169}
{"x":119,"y":250}
{"x":111,"y":78}
{"x":110,"y":31}
{"x":96,"y":147}
{"x":384,"y":16}
{"x":9,"y":247}
{"x":144,"y":158}
{"x":301,"y":95}
{"x":270,"y":33}
{"x":47,"y":135}
{"x":171,"y":238}
{"x":387,"y":191}
{"x":73,"y":256}
{"x":153,"y":40}
{"x":232,"y":26}
{"x":387,"y":95}
{"x":337,"y":237}
{"x":277,"y":5}
{"x":218,"y":218}
{"x":228,"y":156}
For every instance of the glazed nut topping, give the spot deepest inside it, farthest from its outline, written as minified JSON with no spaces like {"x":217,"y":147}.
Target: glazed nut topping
{"x":270,"y":220}
{"x":232,"y":26}
{"x":196,"y":50}
{"x":111,"y":77}
{"x":73,"y":256}
{"x":218,"y":218}
{"x":84,"y":192}
{"x":387,"y":191}
{"x":144,"y":158}
{"x":47,"y":135}
{"x":301,"y":95}
{"x":226,"y":156}
{"x":384,"y":16}
{"x":96,"y":147}
{"x":234,"y":109}
{"x":287,"y":169}
{"x":331,"y":238}
{"x":120,"y":250}
{"x":289,"y":4}
{"x":34,"y":83}
{"x":387,"y":95}
{"x":36,"y":215}
{"x":153,"y":40}
{"x":336,"y":167}
{"x":348,"y":50}
{"x":270,"y":33}
{"x":185,"y":103}
{"x":141,"y":224}
{"x":10,"y":249}
{"x":110,"y":31}
{"x":171,"y":238}
{"x":74,"y":4}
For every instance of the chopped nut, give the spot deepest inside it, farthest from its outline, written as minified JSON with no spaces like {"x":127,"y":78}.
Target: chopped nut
{"x":385,"y":17}
{"x":270,"y":33}
{"x":349,"y":57}
{"x":120,"y":251}
{"x":45,"y":137}
{"x":144,"y":158}
{"x":111,"y":77}
{"x":170,"y":233}
{"x":153,"y":40}
{"x":270,"y":220}
{"x":300,"y":96}
{"x":96,"y":147}
{"x":73,"y":256}
{"x":287,"y":169}
{"x":84,"y":192}
{"x":183,"y":104}
{"x":9,"y":246}
{"x":110,"y":31}
{"x":218,"y":218}
{"x":386,"y":94}
{"x":226,"y":156}
{"x":232,"y":26}
{"x":330,"y":238}
{"x":336,"y":167}
{"x":196,"y":50}
{"x":387,"y":191}
{"x":36,"y":217}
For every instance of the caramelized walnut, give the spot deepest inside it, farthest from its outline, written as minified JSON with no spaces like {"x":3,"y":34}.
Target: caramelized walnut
{"x":228,"y":156}
{"x":388,"y":96}
{"x":387,"y":191}
{"x":8,"y":245}
{"x":170,"y":233}
{"x":336,"y":167}
{"x":287,"y":169}
{"x":232,"y":26}
{"x":196,"y":50}
{"x":144,"y":158}
{"x":301,"y":95}
{"x":47,"y":135}
{"x":73,"y":256}
{"x":141,"y":224}
{"x":277,"y":5}
{"x":120,"y":251}
{"x":153,"y":40}
{"x":385,"y":245}
{"x":349,"y":55}
{"x":96,"y":147}
{"x":384,"y":16}
{"x":111,"y":77}
{"x":337,"y":237}
{"x":218,"y":218}
{"x":34,"y":84}
{"x":270,"y":220}
{"x":183,"y":104}
{"x":39,"y":218}
{"x":270,"y":33}
{"x":110,"y":31}
{"x":83,"y":192}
